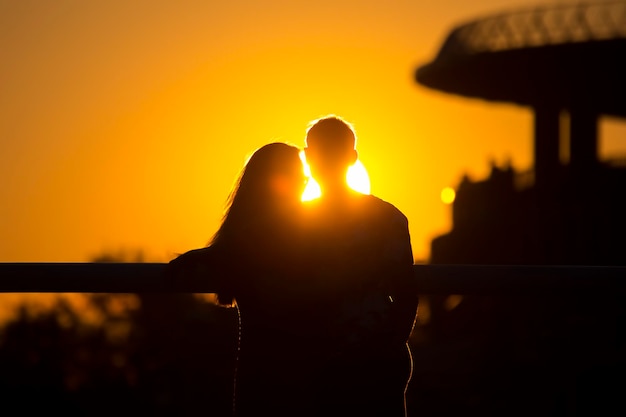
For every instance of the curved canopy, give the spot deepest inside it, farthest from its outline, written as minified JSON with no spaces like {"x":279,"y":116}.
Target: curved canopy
{"x":564,"y":56}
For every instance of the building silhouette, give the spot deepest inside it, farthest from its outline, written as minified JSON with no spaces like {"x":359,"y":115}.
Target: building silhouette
{"x":533,"y":354}
{"x":566,"y":63}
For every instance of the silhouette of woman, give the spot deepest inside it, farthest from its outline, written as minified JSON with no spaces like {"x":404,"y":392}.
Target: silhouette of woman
{"x":253,"y":259}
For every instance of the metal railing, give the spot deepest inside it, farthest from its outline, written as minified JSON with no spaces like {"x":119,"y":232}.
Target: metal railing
{"x":430,"y":279}
{"x":540,"y":26}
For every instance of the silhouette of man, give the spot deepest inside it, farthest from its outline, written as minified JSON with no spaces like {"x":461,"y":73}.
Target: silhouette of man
{"x":361,"y":269}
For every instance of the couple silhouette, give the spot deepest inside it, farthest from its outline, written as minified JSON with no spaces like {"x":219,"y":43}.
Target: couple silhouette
{"x":324,"y":288}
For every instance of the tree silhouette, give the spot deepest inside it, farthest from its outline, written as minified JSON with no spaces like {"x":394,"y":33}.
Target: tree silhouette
{"x":146,"y":354}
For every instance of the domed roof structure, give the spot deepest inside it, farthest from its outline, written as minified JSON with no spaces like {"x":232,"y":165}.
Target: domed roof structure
{"x":557,"y":58}
{"x":566,"y":55}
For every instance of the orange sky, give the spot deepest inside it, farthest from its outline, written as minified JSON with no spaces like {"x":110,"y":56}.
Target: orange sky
{"x":124,"y":123}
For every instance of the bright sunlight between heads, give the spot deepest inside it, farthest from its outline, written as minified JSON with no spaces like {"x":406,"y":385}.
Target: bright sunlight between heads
{"x":357,"y":179}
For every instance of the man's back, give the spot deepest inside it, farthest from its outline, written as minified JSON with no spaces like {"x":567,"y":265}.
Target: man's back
{"x":361,"y":273}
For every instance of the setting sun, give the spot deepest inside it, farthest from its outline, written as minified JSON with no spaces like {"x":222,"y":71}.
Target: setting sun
{"x":312,"y":190}
{"x":357,"y":179}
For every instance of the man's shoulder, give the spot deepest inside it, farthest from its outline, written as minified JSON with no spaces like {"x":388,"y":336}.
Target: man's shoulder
{"x":384,"y":208}
{"x":365,"y":206}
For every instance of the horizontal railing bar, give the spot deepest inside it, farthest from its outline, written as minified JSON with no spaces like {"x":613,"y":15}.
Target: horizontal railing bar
{"x":520,"y":279}
{"x":88,"y":277}
{"x":429,"y":279}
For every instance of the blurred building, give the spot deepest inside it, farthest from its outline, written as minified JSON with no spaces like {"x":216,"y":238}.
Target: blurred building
{"x":533,"y":354}
{"x":508,"y":219}
{"x":566,"y":63}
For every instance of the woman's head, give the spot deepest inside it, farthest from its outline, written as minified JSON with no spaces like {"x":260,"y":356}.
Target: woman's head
{"x":273,"y":176}
{"x":270,"y":186}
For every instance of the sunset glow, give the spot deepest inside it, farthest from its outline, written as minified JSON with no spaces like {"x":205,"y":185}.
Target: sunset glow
{"x":312,"y":190}
{"x":357,"y":179}
{"x":166,"y":249}
{"x":123,"y":130}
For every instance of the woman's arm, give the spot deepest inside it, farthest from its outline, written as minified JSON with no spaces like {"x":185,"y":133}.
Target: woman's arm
{"x":197,"y":270}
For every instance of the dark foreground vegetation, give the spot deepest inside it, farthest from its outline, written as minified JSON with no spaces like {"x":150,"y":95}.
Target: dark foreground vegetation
{"x":151,"y":354}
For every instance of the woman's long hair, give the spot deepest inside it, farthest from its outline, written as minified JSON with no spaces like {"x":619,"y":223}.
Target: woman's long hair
{"x":254,"y":209}
{"x":252,"y":200}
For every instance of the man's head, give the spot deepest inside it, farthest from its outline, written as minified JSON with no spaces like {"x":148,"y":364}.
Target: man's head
{"x":330,"y":151}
